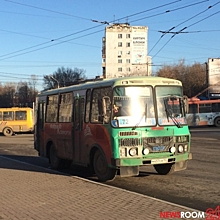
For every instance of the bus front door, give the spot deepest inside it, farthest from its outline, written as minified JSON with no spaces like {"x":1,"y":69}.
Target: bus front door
{"x":77,"y":130}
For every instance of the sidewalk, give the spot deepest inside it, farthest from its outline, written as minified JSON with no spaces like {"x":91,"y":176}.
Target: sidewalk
{"x":29,"y":192}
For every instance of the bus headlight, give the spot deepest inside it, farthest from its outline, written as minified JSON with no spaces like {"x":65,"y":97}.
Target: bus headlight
{"x":185,"y":147}
{"x":146,"y":151}
{"x":180,"y":148}
{"x":133,"y":151}
{"x":172,"y":149}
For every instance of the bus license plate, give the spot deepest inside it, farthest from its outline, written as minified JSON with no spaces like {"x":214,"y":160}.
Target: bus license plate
{"x":161,"y":160}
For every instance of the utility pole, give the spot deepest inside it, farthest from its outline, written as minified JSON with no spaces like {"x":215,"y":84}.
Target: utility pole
{"x":58,"y":85}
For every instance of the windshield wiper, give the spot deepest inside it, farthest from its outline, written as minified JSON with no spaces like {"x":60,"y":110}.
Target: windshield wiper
{"x":144,"y":114}
{"x":175,"y":121}
{"x":169,"y":114}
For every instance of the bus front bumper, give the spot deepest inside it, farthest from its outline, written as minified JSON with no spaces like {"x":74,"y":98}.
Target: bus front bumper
{"x":121,"y":162}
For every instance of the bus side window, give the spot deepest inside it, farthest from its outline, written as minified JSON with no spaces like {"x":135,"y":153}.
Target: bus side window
{"x":76,"y":114}
{"x":82,"y":112}
{"x":193,"y":108}
{"x":216,"y":107}
{"x":65,"y":107}
{"x":87,"y":108}
{"x":20,"y":115}
{"x":205,"y":108}
{"x":52,"y":108}
{"x":96,"y":105}
{"x":0,"y":116}
{"x":8,"y":116}
{"x":97,"y":111}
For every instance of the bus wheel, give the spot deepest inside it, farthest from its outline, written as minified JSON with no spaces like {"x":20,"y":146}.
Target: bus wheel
{"x":164,"y":169}
{"x":102,"y":171}
{"x":8,"y":132}
{"x":55,"y":161}
{"x":217,"y":122}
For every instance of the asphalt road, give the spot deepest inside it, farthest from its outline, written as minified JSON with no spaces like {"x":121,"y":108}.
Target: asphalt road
{"x":197,"y":187}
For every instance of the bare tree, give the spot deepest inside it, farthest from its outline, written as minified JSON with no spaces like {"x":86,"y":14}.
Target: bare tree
{"x":16,"y":94}
{"x":7,"y":95}
{"x":193,"y":77}
{"x":63,"y":77}
{"x":24,"y":95}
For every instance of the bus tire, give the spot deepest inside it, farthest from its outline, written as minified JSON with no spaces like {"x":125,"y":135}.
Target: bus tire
{"x":102,"y":171}
{"x":8,"y":132}
{"x":55,"y":161}
{"x":217,"y":122}
{"x":164,"y":169}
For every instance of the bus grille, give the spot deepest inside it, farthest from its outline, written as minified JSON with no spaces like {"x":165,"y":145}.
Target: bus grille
{"x":156,"y":140}
{"x":129,"y":142}
{"x":128,"y":133}
{"x":154,"y":144}
{"x":158,"y":144}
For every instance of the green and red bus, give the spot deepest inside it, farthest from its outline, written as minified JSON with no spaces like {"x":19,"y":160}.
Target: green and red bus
{"x":114,"y":124}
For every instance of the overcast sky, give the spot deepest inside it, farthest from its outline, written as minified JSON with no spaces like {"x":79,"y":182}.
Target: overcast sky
{"x":37,"y":37}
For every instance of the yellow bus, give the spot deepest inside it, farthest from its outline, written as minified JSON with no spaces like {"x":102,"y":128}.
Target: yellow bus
{"x":16,"y":120}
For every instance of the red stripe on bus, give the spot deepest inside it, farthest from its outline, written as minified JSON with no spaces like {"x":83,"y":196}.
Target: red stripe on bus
{"x":157,"y":128}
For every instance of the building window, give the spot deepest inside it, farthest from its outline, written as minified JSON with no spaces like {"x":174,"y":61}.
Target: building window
{"x":119,"y":60}
{"x":128,"y":44}
{"x":119,"y":53}
{"x":127,"y":60}
{"x":119,"y":69}
{"x":120,"y":44}
{"x":128,"y":52}
{"x":119,"y":35}
{"x":128,"y":69}
{"x":128,"y":35}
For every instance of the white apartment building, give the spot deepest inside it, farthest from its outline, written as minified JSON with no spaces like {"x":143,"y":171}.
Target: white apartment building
{"x":124,"y":51}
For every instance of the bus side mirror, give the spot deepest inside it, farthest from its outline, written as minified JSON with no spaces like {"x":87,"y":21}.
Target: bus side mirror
{"x":106,"y":103}
{"x":186,"y":105}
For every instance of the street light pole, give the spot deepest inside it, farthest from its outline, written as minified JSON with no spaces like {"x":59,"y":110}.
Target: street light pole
{"x":58,"y":85}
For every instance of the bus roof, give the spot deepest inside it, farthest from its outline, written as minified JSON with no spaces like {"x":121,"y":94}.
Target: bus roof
{"x":137,"y":80}
{"x":14,"y":108}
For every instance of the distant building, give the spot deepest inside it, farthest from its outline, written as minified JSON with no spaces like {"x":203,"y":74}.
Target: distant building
{"x":124,"y":51}
{"x":214,"y":78}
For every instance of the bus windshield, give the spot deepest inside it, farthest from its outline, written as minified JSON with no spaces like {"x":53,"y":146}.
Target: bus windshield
{"x":133,"y":106}
{"x":170,"y":106}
